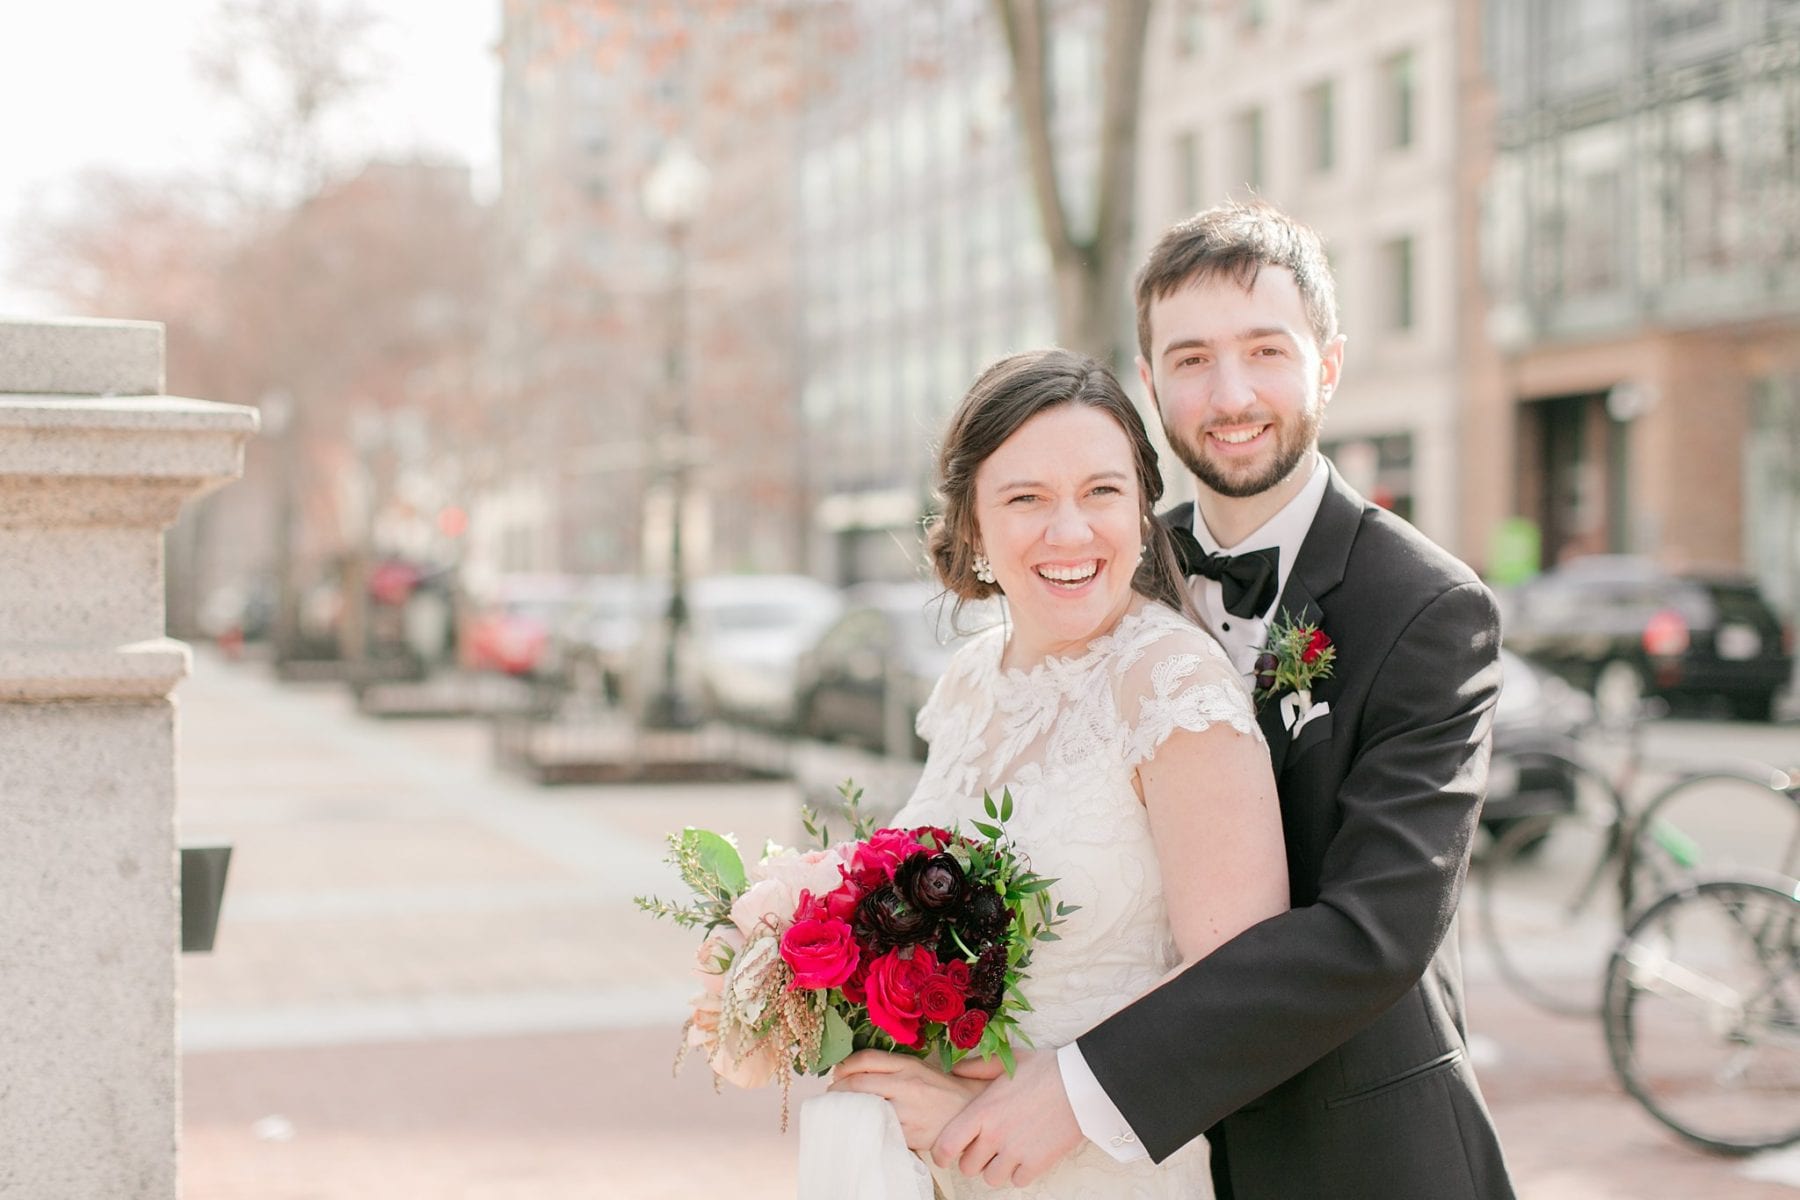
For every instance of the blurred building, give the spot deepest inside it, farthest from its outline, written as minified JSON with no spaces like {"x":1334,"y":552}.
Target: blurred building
{"x":608,"y":328}
{"x":920,"y":253}
{"x":1641,"y":232}
{"x":355,"y":322}
{"x":1347,"y":114}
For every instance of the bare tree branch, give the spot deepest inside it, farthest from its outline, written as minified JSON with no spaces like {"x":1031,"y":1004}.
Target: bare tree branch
{"x":1089,"y":265}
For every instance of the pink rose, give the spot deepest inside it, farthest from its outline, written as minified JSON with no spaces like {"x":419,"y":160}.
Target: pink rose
{"x":703,"y":1027}
{"x":777,"y":884}
{"x":841,"y":903}
{"x":816,"y":871}
{"x":714,"y":959}
{"x":877,"y":858}
{"x":939,"y":1000}
{"x":752,"y":1067}
{"x":966,"y":1030}
{"x":893,"y":986}
{"x":822,"y":953}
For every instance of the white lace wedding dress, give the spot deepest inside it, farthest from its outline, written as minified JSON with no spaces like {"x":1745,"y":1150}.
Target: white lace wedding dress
{"x":1066,"y":737}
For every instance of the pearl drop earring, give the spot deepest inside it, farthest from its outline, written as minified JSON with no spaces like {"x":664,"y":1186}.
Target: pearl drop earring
{"x":984,"y":570}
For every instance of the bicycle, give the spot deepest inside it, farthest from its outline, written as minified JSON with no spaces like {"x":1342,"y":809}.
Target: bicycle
{"x":1557,"y":886}
{"x":1702,"y":1011}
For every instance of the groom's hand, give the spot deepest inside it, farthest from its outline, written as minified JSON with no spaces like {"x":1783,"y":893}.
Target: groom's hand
{"x":1016,"y":1130}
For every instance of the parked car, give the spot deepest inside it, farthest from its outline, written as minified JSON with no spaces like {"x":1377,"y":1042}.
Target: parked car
{"x":748,"y":634}
{"x":1536,"y":709}
{"x":871,"y":671}
{"x":508,"y":626}
{"x":595,"y":647}
{"x":1624,"y":629}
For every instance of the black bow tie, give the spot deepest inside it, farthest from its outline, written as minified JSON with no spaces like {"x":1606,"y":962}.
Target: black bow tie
{"x":1248,"y":579}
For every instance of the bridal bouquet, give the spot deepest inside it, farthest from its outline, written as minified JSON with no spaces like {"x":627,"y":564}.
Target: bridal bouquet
{"x":909,"y":940}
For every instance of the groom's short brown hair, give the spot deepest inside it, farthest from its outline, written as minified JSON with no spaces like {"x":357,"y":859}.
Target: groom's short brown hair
{"x":1236,"y":241}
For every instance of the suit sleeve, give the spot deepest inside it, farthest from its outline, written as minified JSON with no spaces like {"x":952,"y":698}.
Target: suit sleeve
{"x":1286,"y":992}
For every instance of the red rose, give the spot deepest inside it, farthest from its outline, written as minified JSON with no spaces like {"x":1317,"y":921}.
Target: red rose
{"x":856,"y":987}
{"x":939,"y":1000}
{"x":966,"y":1030}
{"x":1315,"y":646}
{"x":940,"y":835}
{"x":822,"y":953}
{"x":841,"y":904}
{"x":877,"y":858}
{"x":957,"y":972}
{"x":893,"y":987}
{"x":810,"y":907}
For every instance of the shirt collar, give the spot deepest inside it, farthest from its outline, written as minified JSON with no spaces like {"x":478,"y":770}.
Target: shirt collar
{"x":1285,"y":531}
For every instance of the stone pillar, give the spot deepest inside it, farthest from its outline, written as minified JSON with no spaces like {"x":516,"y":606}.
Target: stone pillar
{"x":94,"y":464}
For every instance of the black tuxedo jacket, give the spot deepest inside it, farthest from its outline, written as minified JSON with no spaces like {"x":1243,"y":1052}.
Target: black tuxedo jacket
{"x":1323,"y":1051}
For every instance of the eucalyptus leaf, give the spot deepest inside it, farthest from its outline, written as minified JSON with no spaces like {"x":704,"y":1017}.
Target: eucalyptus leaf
{"x":716,"y":855}
{"x":837,"y":1043}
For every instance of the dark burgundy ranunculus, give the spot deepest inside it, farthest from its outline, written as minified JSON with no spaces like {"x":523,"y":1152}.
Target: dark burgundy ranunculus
{"x":931,"y":883}
{"x":987,"y":979}
{"x":1264,"y":671}
{"x":886,"y":918}
{"x":985,"y":915}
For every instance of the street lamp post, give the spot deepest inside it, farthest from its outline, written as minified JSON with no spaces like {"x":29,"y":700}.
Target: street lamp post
{"x":673,"y":193}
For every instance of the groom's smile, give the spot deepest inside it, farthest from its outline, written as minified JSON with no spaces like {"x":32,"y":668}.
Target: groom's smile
{"x":1236,"y":437}
{"x":1240,"y":381}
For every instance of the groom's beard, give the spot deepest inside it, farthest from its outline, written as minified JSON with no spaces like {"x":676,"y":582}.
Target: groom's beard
{"x":1292,"y":440}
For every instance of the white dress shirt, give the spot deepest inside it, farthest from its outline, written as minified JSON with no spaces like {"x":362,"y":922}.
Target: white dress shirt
{"x":1100,"y":1119}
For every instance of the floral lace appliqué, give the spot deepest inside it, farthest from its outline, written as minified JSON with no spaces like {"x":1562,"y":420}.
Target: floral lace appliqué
{"x":1066,"y":738}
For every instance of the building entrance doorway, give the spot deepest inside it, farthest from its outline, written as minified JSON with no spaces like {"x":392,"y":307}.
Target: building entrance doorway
{"x":1573,"y":476}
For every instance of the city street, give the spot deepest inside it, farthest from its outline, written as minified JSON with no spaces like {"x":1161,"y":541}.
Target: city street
{"x":429,"y":981}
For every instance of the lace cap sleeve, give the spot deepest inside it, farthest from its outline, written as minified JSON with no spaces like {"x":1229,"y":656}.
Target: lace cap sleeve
{"x":1177,"y":676}
{"x":961,"y":673}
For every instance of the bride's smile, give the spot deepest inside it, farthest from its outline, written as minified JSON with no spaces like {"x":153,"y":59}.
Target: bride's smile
{"x":1061,"y":520}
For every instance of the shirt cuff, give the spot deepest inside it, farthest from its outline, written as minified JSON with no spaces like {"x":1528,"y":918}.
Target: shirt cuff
{"x":1100,"y":1119}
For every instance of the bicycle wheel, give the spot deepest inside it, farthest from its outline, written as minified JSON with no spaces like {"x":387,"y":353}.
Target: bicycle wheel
{"x":1720,"y":821}
{"x":1702,"y":1012}
{"x":1548,"y":906}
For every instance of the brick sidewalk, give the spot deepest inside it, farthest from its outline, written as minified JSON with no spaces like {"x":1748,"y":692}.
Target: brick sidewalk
{"x":429,"y":983}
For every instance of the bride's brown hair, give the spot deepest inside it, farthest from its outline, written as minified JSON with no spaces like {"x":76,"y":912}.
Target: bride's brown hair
{"x":1004,"y":397}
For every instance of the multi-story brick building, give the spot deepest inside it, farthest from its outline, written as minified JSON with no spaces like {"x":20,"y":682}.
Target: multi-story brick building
{"x":1641,"y":228}
{"x":1346,"y":114}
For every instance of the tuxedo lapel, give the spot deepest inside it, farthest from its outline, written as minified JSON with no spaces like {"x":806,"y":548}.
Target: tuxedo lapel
{"x":1325,"y":552}
{"x":1318,"y":569}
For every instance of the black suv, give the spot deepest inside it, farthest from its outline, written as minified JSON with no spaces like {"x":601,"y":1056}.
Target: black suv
{"x":1625,"y":629}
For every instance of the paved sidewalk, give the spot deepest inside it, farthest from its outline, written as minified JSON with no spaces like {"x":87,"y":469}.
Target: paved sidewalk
{"x":429,"y":980}
{"x":429,"y":983}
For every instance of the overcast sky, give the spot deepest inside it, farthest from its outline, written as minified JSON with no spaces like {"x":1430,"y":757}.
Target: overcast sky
{"x":109,"y":83}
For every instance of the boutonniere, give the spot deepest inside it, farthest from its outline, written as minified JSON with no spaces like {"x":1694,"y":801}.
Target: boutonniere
{"x":1297,"y":655}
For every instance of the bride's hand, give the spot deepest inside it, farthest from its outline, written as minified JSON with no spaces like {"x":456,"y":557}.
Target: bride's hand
{"x":924,"y":1097}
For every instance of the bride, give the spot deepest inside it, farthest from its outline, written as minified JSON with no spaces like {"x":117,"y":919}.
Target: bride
{"x":1139,"y":778}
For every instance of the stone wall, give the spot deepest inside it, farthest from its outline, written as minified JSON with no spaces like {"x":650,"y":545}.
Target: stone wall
{"x":94,"y":464}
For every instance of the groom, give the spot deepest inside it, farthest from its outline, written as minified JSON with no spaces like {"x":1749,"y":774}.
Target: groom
{"x":1322,"y":1052}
